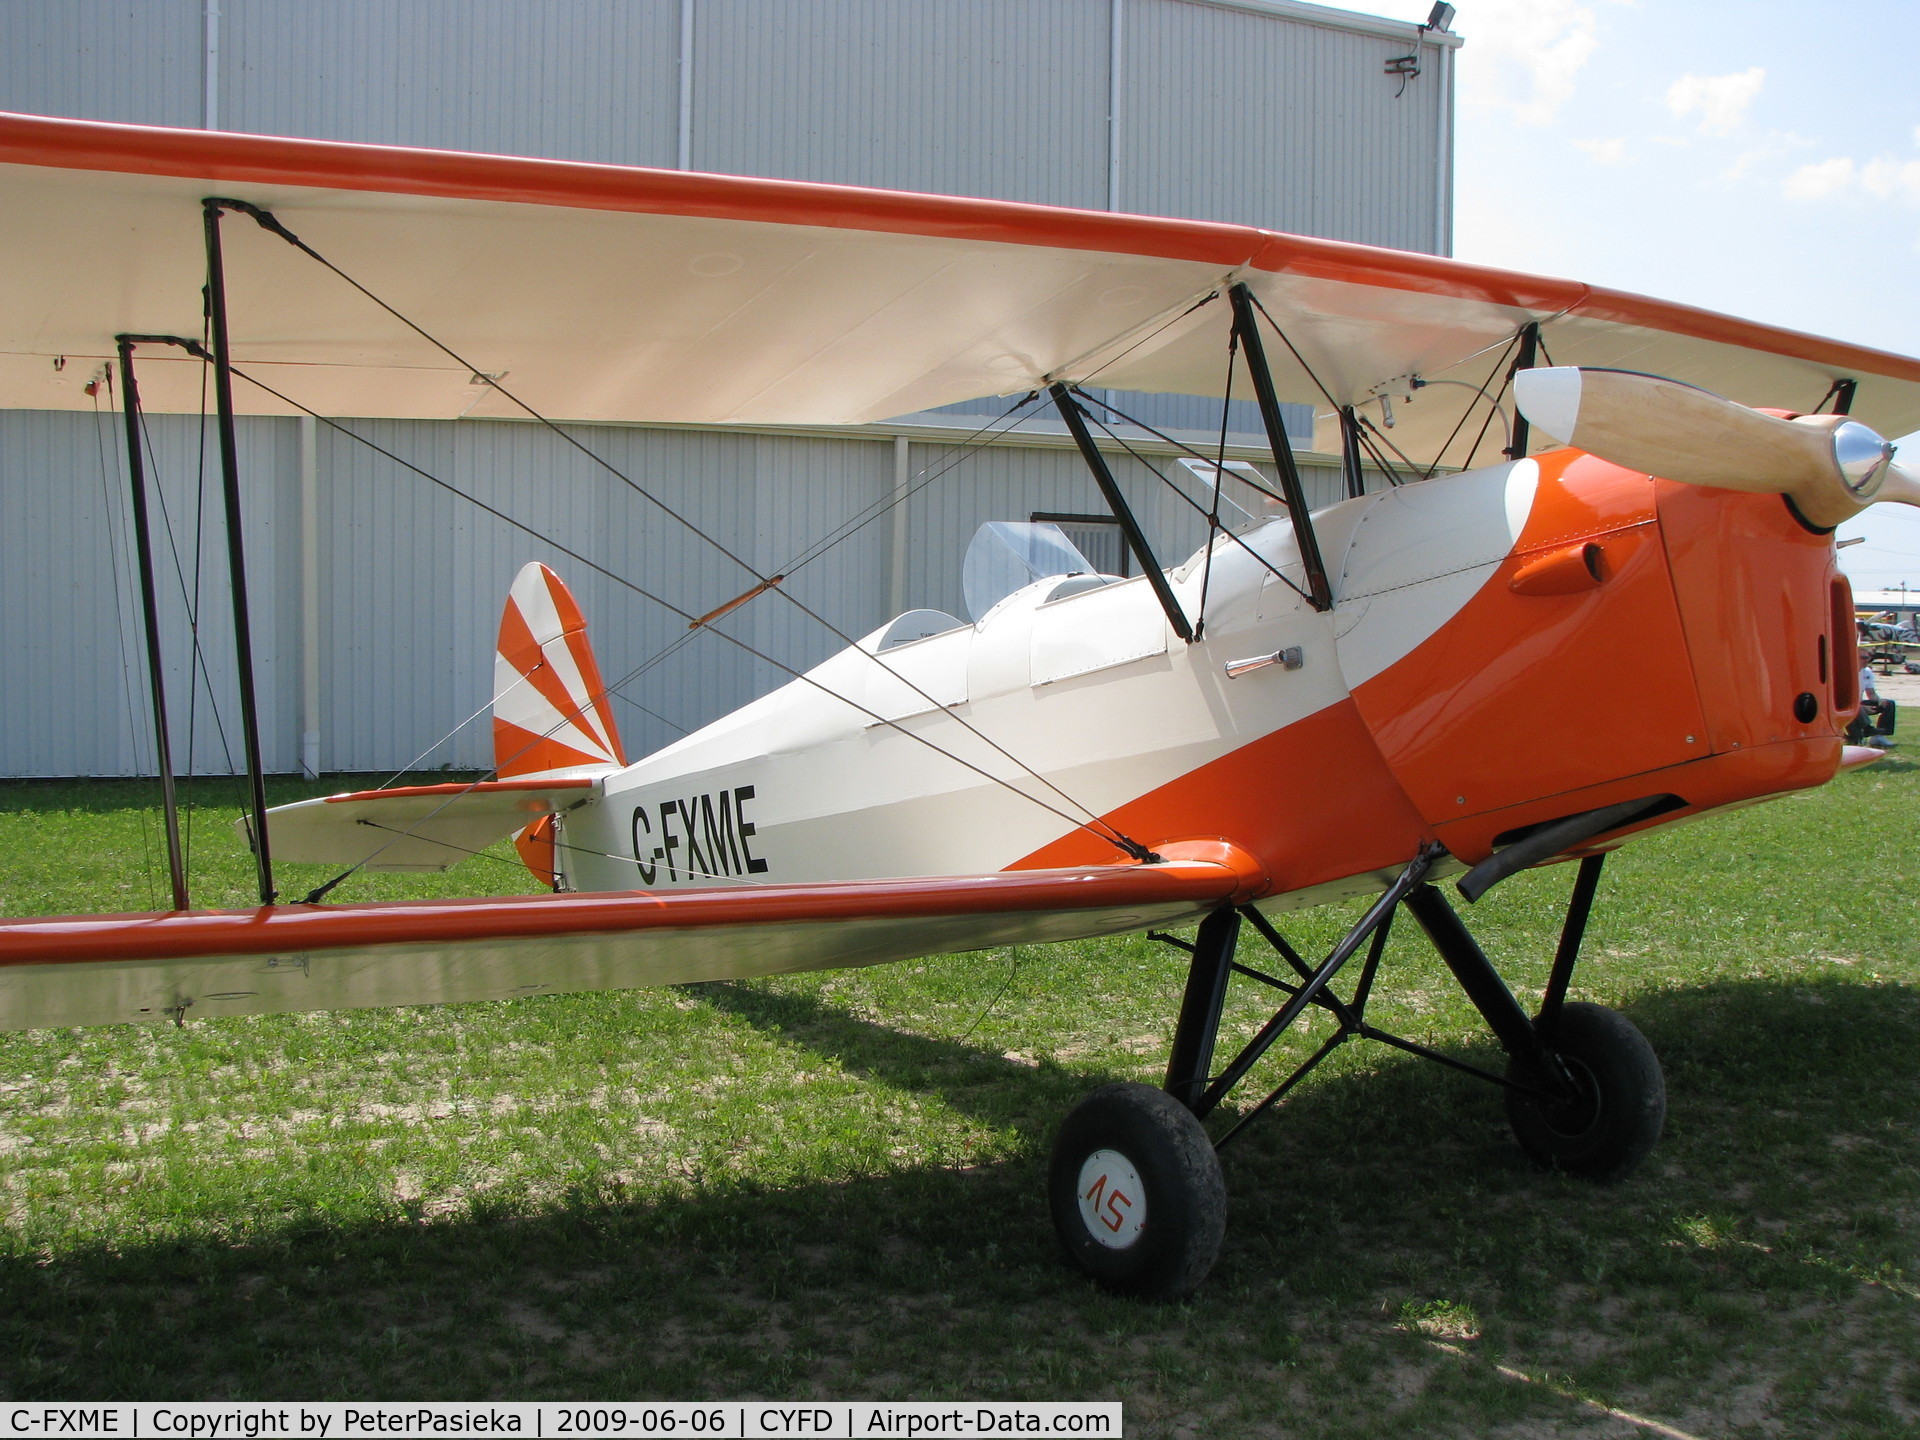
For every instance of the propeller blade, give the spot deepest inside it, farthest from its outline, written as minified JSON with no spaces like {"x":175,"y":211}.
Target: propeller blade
{"x":1829,"y":466}
{"x":1902,"y":484}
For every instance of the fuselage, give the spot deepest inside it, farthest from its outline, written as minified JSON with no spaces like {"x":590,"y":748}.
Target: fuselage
{"x":1507,"y":646}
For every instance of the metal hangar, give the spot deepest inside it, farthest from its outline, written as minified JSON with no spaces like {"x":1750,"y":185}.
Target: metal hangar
{"x":376,"y":597}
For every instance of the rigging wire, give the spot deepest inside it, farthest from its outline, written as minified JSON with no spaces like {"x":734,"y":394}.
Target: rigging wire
{"x":963,"y":451}
{"x":1188,"y":500}
{"x":1219,"y":480}
{"x":1378,"y":458}
{"x":1274,"y":495}
{"x":267,"y":221}
{"x":558,"y":844}
{"x":198,"y":673}
{"x":1539,"y":339}
{"x":1109,"y":363}
{"x":646,"y":710}
{"x":1368,"y":429}
{"x":1096,"y":826}
{"x":1319,"y":385}
{"x":1506,"y":423}
{"x":1499,"y":364}
{"x":414,"y":764}
{"x":1299,"y":359}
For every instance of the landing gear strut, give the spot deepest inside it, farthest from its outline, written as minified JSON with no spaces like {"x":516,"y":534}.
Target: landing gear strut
{"x":1135,"y":1185}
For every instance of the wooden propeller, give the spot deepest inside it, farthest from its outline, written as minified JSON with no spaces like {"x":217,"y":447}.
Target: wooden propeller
{"x":1831,"y":467}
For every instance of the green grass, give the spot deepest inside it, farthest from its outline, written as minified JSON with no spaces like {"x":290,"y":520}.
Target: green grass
{"x":831,"y":1185}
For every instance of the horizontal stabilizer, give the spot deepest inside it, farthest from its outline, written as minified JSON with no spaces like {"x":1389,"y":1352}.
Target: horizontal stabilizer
{"x":418,"y":827}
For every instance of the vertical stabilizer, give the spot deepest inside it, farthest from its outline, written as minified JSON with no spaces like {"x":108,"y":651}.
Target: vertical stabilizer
{"x":551,"y":713}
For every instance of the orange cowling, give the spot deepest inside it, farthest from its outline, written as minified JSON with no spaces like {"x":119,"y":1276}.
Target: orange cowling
{"x":1755,"y":590}
{"x":1542,"y":690}
{"x":1679,"y":660}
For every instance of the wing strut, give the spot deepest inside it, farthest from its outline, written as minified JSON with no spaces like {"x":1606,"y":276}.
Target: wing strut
{"x":150,"y":617}
{"x":236,"y":547}
{"x":1319,"y":592}
{"x":1529,"y":343}
{"x":1350,"y":471}
{"x":1076,"y":419}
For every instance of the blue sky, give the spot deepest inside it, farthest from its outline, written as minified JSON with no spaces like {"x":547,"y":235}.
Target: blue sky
{"x":1760,"y":158}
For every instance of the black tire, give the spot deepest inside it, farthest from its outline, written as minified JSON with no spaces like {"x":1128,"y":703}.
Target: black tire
{"x":1617,"y":1117}
{"x":1160,"y":1243}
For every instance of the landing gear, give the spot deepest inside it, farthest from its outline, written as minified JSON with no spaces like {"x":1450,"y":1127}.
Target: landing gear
{"x":1617,"y":1107}
{"x":1137,"y":1195}
{"x":1135,"y":1184}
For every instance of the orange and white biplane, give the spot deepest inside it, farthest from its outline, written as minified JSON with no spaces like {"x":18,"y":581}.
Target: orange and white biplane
{"x":1622,"y":613}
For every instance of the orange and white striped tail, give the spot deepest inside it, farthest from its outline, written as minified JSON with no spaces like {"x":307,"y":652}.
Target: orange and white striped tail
{"x":552,"y":716}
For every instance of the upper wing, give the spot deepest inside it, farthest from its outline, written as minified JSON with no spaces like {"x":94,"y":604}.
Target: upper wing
{"x":102,"y":969}
{"x":609,"y":293}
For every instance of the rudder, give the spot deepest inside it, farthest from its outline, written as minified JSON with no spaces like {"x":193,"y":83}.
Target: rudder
{"x":552,"y":715}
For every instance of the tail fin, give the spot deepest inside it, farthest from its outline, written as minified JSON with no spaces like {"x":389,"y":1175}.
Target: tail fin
{"x":551,"y":713}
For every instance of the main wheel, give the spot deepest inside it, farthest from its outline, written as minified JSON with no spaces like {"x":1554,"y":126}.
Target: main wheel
{"x":1620,"y":1103}
{"x":1136,"y":1192}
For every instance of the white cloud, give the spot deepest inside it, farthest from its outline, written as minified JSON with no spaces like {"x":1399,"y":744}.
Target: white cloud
{"x":1881,"y":179}
{"x":1720,"y":100}
{"x":1523,"y":56}
{"x":1817,"y":181}
{"x":1604,"y":152}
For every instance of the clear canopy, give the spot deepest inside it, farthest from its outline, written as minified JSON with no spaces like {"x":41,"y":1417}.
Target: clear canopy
{"x":1006,"y":556}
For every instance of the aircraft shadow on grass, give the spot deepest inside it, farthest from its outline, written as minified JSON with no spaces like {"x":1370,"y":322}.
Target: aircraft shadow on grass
{"x":1368,"y":1182}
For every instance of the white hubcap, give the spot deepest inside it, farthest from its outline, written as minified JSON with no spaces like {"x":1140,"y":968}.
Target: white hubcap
{"x":1113,"y":1202}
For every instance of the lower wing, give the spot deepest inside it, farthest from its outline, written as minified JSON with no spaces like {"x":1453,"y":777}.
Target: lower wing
{"x":106,"y":969}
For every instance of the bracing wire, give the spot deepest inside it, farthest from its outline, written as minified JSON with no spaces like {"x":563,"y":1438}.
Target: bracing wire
{"x":963,"y":448}
{"x":1373,"y":437}
{"x":558,"y":844}
{"x":1379,"y":460}
{"x":1013,"y":972}
{"x":1189,"y":501}
{"x":1173,"y":441}
{"x":1319,"y":385}
{"x":1467,"y":414}
{"x":269,"y":223}
{"x":1158,"y":330}
{"x":199,"y":676}
{"x":1219,"y":480}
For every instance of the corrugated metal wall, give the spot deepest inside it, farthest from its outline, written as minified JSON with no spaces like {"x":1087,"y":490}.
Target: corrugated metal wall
{"x":1219,"y":112}
{"x":973,"y":97}
{"x":134,"y":61}
{"x":1227,"y":115}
